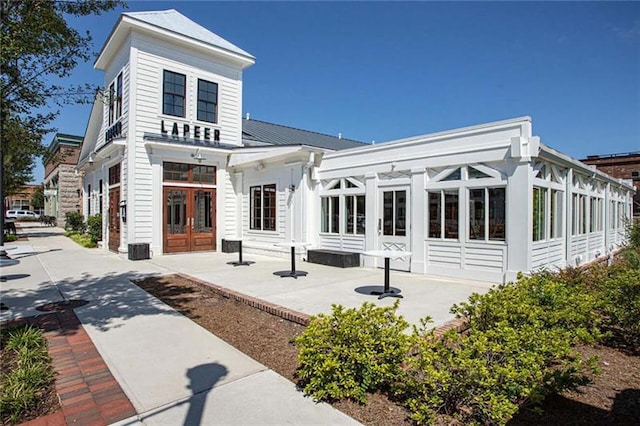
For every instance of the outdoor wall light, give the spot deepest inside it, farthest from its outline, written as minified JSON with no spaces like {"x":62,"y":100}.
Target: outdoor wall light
{"x":123,"y":211}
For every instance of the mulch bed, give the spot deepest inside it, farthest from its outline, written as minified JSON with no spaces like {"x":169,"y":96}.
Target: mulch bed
{"x":612,"y":398}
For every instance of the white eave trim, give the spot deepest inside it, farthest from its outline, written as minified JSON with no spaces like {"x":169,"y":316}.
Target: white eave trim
{"x":551,"y":154}
{"x":127,"y":24}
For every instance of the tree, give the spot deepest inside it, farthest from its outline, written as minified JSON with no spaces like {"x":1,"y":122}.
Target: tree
{"x":39,"y":49}
{"x":37,"y":199}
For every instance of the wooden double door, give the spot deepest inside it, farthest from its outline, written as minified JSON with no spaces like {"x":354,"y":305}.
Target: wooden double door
{"x":189,"y":219}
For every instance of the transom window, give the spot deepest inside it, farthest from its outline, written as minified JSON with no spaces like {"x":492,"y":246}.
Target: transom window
{"x":189,"y":173}
{"x":207,"y":101}
{"x":114,"y":174}
{"x":263,"y":207}
{"x":173,"y":93}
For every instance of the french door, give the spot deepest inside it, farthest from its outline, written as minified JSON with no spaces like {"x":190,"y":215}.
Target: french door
{"x":114,"y":219}
{"x":393,"y":224}
{"x":189,"y":219}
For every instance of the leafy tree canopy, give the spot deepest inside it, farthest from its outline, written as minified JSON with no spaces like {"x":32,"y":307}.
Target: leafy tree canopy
{"x":39,"y":49}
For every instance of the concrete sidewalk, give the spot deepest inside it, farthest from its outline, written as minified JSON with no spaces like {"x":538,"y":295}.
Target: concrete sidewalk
{"x":172,"y":370}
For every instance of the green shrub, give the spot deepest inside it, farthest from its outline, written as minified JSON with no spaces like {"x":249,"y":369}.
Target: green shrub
{"x":83,"y":239}
{"x":633,"y":233}
{"x":74,"y":222}
{"x":542,"y":298}
{"x":485,"y":376}
{"x":352,"y":351}
{"x":31,"y":373}
{"x":94,"y":227}
{"x":9,"y":238}
{"x":620,"y":306}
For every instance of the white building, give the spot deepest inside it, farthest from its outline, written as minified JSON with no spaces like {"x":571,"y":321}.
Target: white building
{"x":181,"y":171}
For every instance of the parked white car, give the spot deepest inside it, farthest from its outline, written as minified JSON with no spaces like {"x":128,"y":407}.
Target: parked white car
{"x":21,"y":214}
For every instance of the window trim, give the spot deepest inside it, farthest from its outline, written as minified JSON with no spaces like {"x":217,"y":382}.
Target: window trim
{"x":183,"y":95}
{"x":215,"y":103}
{"x":263,"y":195}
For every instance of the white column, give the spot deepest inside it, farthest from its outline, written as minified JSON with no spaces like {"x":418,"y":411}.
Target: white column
{"x":519,"y":220}
{"x":418,"y":215}
{"x":372,"y":211}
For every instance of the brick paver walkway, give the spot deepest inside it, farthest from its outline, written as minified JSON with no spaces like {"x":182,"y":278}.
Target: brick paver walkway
{"x":88,"y":392}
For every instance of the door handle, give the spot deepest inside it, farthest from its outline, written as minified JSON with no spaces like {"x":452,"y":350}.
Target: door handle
{"x":379,"y":226}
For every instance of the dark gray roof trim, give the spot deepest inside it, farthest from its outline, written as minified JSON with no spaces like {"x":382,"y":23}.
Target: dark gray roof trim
{"x":276,"y":134}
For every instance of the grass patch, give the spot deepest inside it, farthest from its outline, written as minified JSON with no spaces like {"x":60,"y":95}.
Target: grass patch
{"x":83,"y":239}
{"x":26,"y":375}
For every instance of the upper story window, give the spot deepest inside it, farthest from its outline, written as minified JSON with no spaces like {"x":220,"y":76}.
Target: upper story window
{"x":173,"y":93}
{"x":115,"y":100}
{"x":207,"y":101}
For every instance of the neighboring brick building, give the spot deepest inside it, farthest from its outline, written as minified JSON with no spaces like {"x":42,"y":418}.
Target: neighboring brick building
{"x":21,"y":200}
{"x":62,"y":184}
{"x":622,"y":166}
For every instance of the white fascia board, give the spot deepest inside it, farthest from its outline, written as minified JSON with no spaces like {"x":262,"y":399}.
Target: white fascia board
{"x":523,"y":122}
{"x":126,"y":24}
{"x":247,"y":157}
{"x":91,"y":133}
{"x":555,"y":156}
{"x":151,"y":144}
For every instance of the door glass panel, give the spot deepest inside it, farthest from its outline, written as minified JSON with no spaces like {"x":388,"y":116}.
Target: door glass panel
{"x":176,"y":211}
{"x":401,"y":213}
{"x":387,"y":213}
{"x":202,"y":209}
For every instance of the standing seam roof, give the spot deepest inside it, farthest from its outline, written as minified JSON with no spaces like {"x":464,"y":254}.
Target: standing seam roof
{"x":277,"y":134}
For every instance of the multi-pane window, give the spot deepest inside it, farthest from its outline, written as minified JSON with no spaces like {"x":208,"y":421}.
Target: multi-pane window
{"x":119,"y":96}
{"x":579,"y":222}
{"x":394,"y":214}
{"x":114,"y":174}
{"x":539,"y":213}
{"x":443,"y":205}
{"x":487,"y":214}
{"x":263,"y":207}
{"x":330,"y":213}
{"x":354,"y":214}
{"x":182,"y":172}
{"x":173,"y":93}
{"x":207,"y":101}
{"x":115,"y":100}
{"x":596,"y":214}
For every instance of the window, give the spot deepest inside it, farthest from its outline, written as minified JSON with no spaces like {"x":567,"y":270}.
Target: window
{"x":263,"y":207}
{"x":192,"y":173}
{"x":579,"y":204}
{"x":443,"y":204}
{"x":330,"y":214}
{"x":355,"y":214}
{"x":487,"y":214}
{"x":88,"y":200}
{"x":119,"y":96}
{"x":555,"y":217}
{"x":115,"y":100}
{"x":173,"y":94}
{"x":100,"y":196}
{"x":539,"y":213}
{"x":114,"y":175}
{"x":112,"y":94}
{"x":207,"y":101}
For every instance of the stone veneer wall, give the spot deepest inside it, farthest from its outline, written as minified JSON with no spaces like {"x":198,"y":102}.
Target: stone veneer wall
{"x":69,"y":191}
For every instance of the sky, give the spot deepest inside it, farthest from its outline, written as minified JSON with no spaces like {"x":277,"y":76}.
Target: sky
{"x":388,"y":70}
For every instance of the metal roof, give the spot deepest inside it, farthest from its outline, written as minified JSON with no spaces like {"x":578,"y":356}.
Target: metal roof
{"x":276,"y":134}
{"x":174,"y":21}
